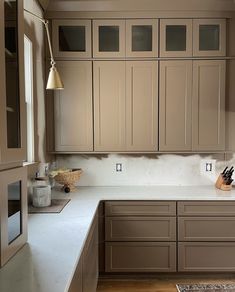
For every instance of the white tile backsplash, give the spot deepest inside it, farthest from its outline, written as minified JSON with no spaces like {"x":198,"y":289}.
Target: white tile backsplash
{"x":143,"y":170}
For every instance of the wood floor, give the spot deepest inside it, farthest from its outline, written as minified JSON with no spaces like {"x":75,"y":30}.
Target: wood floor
{"x":160,"y":284}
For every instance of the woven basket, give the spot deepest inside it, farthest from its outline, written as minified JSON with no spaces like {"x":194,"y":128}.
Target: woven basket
{"x":68,"y":179}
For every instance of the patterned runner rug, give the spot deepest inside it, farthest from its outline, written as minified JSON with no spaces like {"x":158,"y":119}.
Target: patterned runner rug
{"x":205,"y":287}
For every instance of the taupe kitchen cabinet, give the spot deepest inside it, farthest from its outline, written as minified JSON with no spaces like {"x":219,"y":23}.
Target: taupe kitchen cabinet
{"x":175,"y":102}
{"x":13,"y":212}
{"x":208,"y":105}
{"x":12,"y":102}
{"x":140,"y":236}
{"x":209,"y":37}
{"x":71,"y":38}
{"x":109,"y":38}
{"x":192,"y":105}
{"x":142,"y":38}
{"x":73,"y":107}
{"x":90,"y":259}
{"x":85,"y":277}
{"x":206,"y":237}
{"x":109,"y":106}
{"x":126,"y":105}
{"x":176,"y":37}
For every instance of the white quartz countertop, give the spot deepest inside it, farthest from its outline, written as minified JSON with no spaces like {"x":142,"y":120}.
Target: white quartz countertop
{"x":55,"y":241}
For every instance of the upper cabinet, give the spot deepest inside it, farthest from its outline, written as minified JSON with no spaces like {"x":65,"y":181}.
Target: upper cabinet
{"x":73,"y":107}
{"x":142,"y":38}
{"x":176,"y":38}
{"x":72,"y":38}
{"x":109,"y":38}
{"x":12,"y":102}
{"x":209,"y":37}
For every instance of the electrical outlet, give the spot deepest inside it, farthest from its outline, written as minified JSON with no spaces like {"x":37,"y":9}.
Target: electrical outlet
{"x":207,"y":166}
{"x":118,"y":167}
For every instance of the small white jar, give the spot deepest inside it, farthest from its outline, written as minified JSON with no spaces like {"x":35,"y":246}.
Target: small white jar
{"x":41,"y":196}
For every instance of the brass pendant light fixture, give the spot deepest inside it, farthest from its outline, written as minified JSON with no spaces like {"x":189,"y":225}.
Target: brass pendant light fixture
{"x":54,"y":81}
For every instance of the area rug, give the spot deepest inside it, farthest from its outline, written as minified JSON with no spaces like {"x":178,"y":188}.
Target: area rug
{"x":57,"y":205}
{"x":205,"y":287}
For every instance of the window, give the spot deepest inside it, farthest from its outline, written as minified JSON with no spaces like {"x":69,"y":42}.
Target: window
{"x":28,"y":62}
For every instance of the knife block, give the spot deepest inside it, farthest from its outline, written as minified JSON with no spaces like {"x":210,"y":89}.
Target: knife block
{"x":221,"y":185}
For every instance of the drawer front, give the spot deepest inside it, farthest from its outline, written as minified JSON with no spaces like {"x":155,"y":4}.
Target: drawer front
{"x":140,"y":257}
{"x":220,"y":208}
{"x":140,"y":228}
{"x":206,"y":228}
{"x":140,"y":208}
{"x":205,"y":256}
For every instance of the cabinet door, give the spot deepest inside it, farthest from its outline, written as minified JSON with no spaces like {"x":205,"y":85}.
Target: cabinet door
{"x":206,"y":256}
{"x":142,"y":38}
{"x":109,"y":38}
{"x":175,"y":105}
{"x":110,"y":105}
{"x":71,"y":38}
{"x":12,"y":104}
{"x":209,"y":105}
{"x":176,"y":38}
{"x":73,"y":107}
{"x":140,"y":257}
{"x":90,"y":260}
{"x":209,"y":37}
{"x":142,"y":105}
{"x":13,"y":212}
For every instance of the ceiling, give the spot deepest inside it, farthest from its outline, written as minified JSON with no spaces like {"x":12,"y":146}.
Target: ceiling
{"x":64,"y":5}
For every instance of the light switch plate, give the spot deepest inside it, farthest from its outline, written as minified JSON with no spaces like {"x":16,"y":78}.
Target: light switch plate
{"x":207,"y":167}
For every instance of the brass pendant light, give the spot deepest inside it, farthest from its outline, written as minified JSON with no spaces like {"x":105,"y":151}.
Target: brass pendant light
{"x":54,"y":81}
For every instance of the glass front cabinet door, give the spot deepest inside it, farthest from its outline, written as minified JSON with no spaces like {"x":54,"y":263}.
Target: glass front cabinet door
{"x":209,"y":37}
{"x":13,"y":212}
{"x":72,"y":38}
{"x":142,"y":38}
{"x":12,"y":102}
{"x":109,"y":38}
{"x":176,"y":38}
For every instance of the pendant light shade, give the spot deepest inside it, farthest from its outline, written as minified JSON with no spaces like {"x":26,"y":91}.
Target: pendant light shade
{"x":54,"y":81}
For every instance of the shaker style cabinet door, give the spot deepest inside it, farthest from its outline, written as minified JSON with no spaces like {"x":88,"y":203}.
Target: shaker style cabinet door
{"x":175,"y":106}
{"x":142,"y":38}
{"x":175,"y":38}
{"x":109,"y":38}
{"x":109,"y":106}
{"x":73,"y":107}
{"x":12,"y":101}
{"x":209,"y":105}
{"x":209,"y":37}
{"x":142,"y":105}
{"x":71,"y":38}
{"x":13,"y":212}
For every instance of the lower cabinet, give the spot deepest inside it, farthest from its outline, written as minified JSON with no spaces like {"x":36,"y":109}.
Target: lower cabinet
{"x":85,"y":278}
{"x":142,"y":243}
{"x":140,"y":257}
{"x":206,"y":256}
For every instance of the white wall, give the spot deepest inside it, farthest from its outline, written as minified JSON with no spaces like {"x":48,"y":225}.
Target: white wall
{"x":152,"y":170}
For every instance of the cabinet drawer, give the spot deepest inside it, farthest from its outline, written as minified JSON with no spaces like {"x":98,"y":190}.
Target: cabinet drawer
{"x":135,"y":208}
{"x":140,"y":228}
{"x":140,"y":257}
{"x":206,"y":256}
{"x":220,"y":208}
{"x":206,"y":228}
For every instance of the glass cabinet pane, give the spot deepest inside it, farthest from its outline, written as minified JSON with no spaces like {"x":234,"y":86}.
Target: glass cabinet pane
{"x":72,"y":38}
{"x":109,"y":38}
{"x":176,"y":37}
{"x":141,"y":38}
{"x":12,"y":75}
{"x":14,"y":211}
{"x":209,"y":37}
